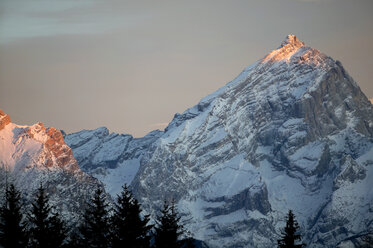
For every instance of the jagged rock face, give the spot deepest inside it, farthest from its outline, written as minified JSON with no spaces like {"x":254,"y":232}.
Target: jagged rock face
{"x":31,"y":155}
{"x":112,"y":158}
{"x":293,"y":131}
{"x":4,"y":119}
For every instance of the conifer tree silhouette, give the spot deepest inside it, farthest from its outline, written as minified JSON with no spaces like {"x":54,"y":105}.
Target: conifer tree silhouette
{"x":46,"y":227}
{"x":95,"y":228}
{"x":168,"y":230}
{"x":12,"y":227}
{"x":130,"y":229}
{"x":290,"y":233}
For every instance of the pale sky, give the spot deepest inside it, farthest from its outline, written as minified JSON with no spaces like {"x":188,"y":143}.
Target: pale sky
{"x":131,"y":65}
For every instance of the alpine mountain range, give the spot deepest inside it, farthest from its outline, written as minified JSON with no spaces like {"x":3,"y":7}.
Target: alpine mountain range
{"x":292,"y":131}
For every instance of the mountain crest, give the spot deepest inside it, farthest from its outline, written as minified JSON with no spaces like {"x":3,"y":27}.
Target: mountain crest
{"x":291,"y":40}
{"x":286,"y":50}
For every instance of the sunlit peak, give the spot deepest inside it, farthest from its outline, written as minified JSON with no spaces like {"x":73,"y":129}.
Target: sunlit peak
{"x":287,"y":48}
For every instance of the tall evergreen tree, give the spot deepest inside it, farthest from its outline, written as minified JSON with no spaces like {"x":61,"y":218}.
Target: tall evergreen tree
{"x":12,"y":228}
{"x":290,"y":234}
{"x":130,"y":229}
{"x":46,"y":228}
{"x":95,"y":228}
{"x":168,"y":230}
{"x":58,"y":230}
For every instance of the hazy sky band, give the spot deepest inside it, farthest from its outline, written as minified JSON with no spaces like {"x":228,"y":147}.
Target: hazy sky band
{"x":131,"y":65}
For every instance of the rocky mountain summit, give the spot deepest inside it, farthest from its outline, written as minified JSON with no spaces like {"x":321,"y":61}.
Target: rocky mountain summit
{"x":292,"y":131}
{"x":31,"y":155}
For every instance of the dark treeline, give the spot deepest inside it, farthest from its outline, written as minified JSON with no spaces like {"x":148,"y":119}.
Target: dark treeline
{"x":100,"y":226}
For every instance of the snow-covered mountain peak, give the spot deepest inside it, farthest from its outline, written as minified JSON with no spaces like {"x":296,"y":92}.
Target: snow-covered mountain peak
{"x":25,"y":147}
{"x":31,"y":155}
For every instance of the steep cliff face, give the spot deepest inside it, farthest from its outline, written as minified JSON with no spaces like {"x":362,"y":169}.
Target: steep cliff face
{"x":31,"y":155}
{"x":292,"y":131}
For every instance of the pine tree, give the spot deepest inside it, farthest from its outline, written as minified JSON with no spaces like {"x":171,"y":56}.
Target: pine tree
{"x":58,"y":230}
{"x":12,"y":228}
{"x":95,"y":228}
{"x":47,"y":228}
{"x":290,"y":233}
{"x":130,"y":228}
{"x":168,"y":230}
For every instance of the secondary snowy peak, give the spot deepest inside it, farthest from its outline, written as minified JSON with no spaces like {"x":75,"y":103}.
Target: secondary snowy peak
{"x":45,"y":147}
{"x":31,"y":155}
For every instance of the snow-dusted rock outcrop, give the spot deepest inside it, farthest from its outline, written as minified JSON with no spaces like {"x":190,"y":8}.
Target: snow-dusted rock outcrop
{"x":292,"y":131}
{"x":112,"y":158}
{"x":4,"y":119}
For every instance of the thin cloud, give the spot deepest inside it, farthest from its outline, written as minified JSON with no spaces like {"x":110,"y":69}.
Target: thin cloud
{"x":27,"y":19}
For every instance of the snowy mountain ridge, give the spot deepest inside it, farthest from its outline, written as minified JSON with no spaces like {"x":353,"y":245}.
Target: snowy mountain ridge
{"x":292,"y":131}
